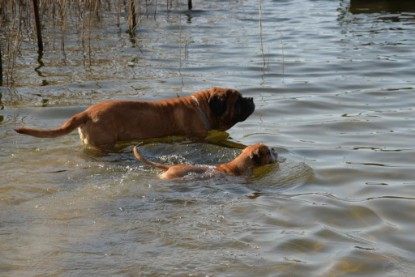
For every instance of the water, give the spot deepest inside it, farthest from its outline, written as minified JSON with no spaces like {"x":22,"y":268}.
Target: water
{"x":334,"y":92}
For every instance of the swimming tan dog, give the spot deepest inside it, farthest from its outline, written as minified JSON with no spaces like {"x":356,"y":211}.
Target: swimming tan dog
{"x":243,"y":165}
{"x":104,"y":124}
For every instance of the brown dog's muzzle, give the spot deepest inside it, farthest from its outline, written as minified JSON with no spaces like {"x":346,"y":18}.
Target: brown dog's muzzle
{"x":274,"y":156}
{"x":245,"y":108}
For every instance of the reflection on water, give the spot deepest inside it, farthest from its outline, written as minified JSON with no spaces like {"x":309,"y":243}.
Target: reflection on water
{"x":383,"y":6}
{"x":334,"y":94}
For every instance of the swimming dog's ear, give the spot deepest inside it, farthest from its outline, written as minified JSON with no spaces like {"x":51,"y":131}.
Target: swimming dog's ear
{"x":218,"y":104}
{"x":255,"y":156}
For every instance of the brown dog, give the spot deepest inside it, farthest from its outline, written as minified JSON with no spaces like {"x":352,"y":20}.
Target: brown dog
{"x":251,"y":156}
{"x":104,"y":124}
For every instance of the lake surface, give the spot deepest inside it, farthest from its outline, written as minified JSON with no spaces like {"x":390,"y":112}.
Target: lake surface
{"x":334,"y":87}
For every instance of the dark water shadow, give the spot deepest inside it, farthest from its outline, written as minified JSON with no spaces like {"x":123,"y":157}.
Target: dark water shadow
{"x":379,"y":6}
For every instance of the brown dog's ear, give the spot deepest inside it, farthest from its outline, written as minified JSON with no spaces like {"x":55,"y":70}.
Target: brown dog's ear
{"x":218,"y":104}
{"x":255,"y":156}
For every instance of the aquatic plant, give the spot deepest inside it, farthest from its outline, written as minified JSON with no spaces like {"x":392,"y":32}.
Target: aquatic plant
{"x":39,"y":22}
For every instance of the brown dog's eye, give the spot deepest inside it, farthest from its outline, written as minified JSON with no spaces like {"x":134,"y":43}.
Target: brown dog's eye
{"x":256,"y":158}
{"x":217,"y":105}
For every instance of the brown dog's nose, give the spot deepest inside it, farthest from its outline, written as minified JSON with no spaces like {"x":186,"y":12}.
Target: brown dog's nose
{"x":274,"y":155}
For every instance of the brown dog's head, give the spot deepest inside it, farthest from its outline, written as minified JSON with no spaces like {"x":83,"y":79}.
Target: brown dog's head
{"x":226,"y":107}
{"x":260,"y":154}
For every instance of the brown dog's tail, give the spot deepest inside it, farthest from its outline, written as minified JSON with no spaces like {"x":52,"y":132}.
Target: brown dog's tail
{"x":147,"y":162}
{"x":70,"y":125}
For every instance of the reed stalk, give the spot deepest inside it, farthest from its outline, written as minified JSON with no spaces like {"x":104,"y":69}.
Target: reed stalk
{"x":132,"y":18}
{"x":1,"y":67}
{"x":17,"y":32}
{"x":38,"y":27}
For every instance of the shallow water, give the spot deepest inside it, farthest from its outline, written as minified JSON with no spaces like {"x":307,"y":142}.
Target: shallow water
{"x":333,"y":84}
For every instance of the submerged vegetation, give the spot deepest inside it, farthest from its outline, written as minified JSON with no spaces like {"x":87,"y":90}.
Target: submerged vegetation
{"x":43,"y":25}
